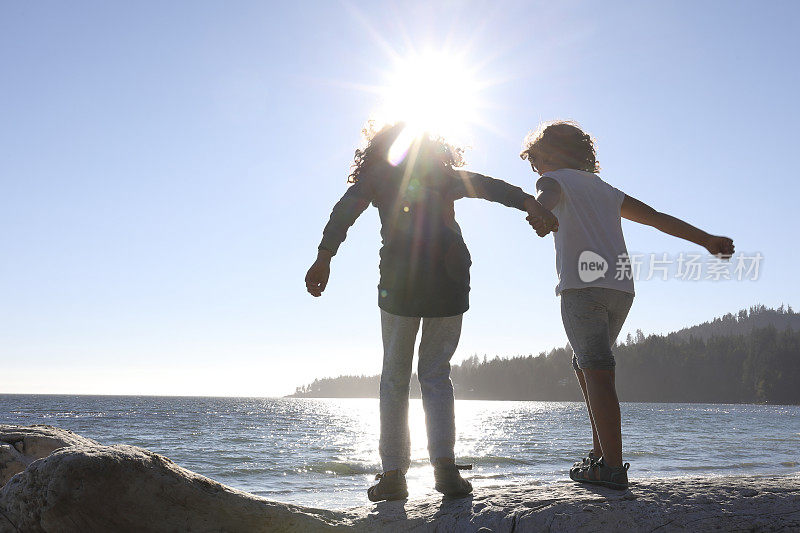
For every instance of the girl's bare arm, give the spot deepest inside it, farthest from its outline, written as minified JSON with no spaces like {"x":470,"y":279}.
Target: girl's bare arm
{"x":640,"y":212}
{"x":548,"y":192}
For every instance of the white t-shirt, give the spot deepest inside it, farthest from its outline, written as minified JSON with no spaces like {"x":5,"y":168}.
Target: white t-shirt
{"x":590,"y":247}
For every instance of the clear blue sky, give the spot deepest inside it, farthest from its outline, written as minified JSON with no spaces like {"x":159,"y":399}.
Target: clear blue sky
{"x":166,"y":170}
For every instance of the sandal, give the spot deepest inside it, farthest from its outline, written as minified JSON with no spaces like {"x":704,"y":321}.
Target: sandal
{"x":391,"y":486}
{"x":586,"y":461}
{"x":599,"y":473}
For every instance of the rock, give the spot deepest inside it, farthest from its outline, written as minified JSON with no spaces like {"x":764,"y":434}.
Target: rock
{"x":21,"y":445}
{"x":83,"y":486}
{"x":87,"y":487}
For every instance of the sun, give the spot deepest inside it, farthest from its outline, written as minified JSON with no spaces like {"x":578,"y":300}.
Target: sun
{"x":435,"y":92}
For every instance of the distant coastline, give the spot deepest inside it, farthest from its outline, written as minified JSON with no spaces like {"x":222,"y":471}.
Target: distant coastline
{"x":752,"y":356}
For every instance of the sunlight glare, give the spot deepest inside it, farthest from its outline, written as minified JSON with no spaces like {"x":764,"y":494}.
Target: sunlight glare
{"x":434,"y":92}
{"x":401,"y":146}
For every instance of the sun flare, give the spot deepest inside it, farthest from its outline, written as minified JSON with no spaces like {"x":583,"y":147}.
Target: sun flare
{"x":434,"y":92}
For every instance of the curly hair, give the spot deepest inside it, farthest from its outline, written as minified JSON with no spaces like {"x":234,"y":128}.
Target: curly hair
{"x":377,"y":142}
{"x":563,"y":141}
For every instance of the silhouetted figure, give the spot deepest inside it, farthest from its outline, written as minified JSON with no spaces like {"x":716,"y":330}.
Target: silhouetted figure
{"x":594,"y":276}
{"x":424,"y":281}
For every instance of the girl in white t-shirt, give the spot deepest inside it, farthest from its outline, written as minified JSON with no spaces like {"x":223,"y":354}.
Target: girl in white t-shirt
{"x":594,"y":275}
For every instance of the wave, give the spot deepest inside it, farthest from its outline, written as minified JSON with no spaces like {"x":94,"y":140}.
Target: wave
{"x":346,"y":468}
{"x":245,"y":471}
{"x":340,"y":468}
{"x":645,"y":453}
{"x":493,"y":460}
{"x":732,"y":466}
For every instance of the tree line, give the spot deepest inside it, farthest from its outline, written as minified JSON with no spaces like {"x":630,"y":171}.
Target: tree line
{"x":752,"y":356}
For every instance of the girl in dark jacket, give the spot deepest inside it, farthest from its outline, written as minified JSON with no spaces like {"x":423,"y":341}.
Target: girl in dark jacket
{"x":424,"y":280}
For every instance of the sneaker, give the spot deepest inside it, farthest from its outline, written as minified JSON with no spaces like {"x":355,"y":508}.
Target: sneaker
{"x":391,"y":486}
{"x":448,"y":479}
{"x":600,"y":474}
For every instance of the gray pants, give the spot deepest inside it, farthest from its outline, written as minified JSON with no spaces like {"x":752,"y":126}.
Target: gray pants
{"x":437,"y":346}
{"x":593,"y":318}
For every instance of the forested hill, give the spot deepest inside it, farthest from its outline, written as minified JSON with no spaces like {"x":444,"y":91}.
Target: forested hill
{"x":750,"y":357}
{"x":742,"y":322}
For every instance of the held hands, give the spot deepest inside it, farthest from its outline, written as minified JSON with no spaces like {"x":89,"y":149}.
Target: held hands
{"x":720,"y":246}
{"x":540,"y":219}
{"x":543,"y":225}
{"x":317,"y":276}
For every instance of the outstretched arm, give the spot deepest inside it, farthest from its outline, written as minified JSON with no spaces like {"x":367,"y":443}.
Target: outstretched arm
{"x":344,"y":215}
{"x":633,"y":209}
{"x":474,"y":185}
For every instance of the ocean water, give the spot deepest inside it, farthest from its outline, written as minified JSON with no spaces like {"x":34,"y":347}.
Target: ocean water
{"x":323,"y":452}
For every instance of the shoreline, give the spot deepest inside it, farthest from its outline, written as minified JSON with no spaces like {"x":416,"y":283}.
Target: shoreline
{"x":293,"y":397}
{"x":56,"y":480}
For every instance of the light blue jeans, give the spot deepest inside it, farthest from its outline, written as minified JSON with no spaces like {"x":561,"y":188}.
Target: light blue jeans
{"x":438,"y":344}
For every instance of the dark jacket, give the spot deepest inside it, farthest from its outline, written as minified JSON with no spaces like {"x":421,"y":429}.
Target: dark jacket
{"x":424,"y":263}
